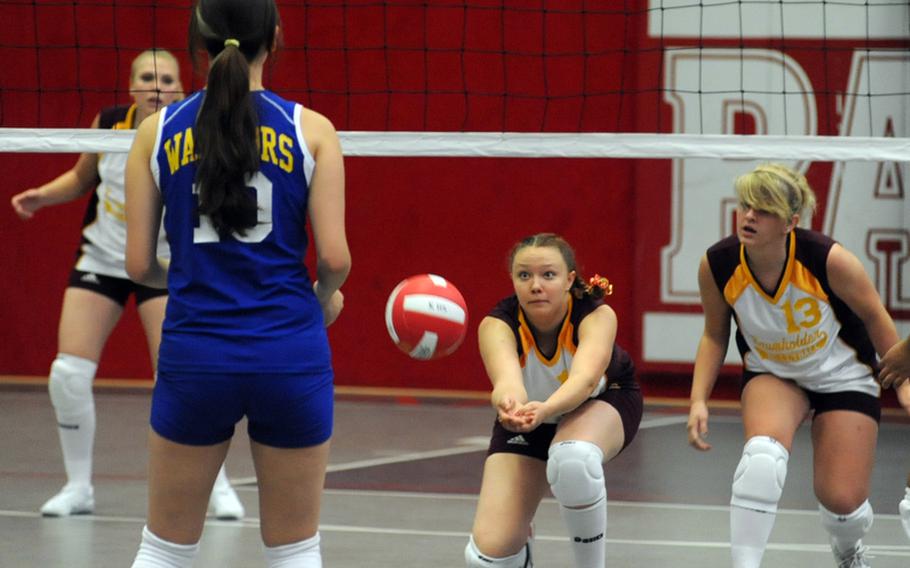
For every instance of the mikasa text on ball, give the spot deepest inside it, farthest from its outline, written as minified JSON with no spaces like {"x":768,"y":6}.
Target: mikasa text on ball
{"x":426,"y":316}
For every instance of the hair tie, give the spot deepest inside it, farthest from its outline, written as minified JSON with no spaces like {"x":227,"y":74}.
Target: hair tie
{"x":598,"y":281}
{"x":231,"y":41}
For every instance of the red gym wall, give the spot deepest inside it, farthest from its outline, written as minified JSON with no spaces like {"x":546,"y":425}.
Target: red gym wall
{"x":631,"y":220}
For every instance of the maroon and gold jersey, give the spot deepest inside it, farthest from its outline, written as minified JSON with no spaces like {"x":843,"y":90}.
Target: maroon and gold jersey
{"x":544,"y":373}
{"x":801,"y":330}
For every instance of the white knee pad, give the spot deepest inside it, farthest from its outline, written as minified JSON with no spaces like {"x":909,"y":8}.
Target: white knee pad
{"x":70,"y":385}
{"x":576,"y":474}
{"x":760,"y":475}
{"x":473,"y":558}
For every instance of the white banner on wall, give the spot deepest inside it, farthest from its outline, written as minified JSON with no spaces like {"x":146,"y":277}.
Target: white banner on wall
{"x":845,"y":19}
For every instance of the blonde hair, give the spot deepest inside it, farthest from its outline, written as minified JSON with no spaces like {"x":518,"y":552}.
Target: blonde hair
{"x":777,"y":189}
{"x":154,"y":53}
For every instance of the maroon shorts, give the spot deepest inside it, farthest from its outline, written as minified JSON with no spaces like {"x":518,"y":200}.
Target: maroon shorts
{"x":822,"y":402}
{"x":536,"y":443}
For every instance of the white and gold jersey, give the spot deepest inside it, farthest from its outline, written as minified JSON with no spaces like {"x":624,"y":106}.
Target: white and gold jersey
{"x":544,"y":374}
{"x":103,"y":247}
{"x":801,"y":330}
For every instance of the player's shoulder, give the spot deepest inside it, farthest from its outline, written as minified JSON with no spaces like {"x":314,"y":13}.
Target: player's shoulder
{"x":725,"y":246}
{"x":506,"y":310}
{"x":110,"y":116}
{"x":813,"y":240}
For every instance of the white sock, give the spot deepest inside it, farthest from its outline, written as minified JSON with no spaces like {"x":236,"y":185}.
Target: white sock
{"x":749,"y":533}
{"x":74,"y":407}
{"x":587,"y":529}
{"x":155,"y":552}
{"x":303,"y":554}
{"x":474,"y":558}
{"x":847,"y":530}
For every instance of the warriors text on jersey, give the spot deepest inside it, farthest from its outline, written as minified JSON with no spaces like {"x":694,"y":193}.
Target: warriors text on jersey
{"x":544,"y":374}
{"x":240,"y":303}
{"x":801,"y":330}
{"x":103,"y":247}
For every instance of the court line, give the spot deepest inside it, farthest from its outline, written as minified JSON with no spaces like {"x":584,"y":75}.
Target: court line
{"x":446,"y":452}
{"x":253,"y":523}
{"x":610,"y":503}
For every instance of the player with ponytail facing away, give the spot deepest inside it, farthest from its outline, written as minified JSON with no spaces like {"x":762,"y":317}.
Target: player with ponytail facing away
{"x":566,"y":402}
{"x":237,"y":172}
{"x":809,"y":324}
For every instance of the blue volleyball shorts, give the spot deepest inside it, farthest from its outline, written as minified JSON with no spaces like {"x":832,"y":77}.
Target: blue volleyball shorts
{"x":293,"y":410}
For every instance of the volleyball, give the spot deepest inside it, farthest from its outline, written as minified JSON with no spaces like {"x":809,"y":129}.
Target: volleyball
{"x":426,"y":316}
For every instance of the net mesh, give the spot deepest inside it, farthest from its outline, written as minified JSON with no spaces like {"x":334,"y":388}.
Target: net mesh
{"x":716,"y":85}
{"x":748,"y":67}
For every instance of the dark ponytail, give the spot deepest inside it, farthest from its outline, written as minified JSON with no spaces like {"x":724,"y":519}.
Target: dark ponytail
{"x":226,"y":133}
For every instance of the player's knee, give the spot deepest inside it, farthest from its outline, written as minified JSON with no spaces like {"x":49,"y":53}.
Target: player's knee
{"x":70,"y":383}
{"x":474,"y":558}
{"x":760,"y":475}
{"x":575,"y":473}
{"x":841,"y":499}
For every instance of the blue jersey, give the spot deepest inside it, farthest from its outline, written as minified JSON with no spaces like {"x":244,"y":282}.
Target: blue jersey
{"x":240,"y":303}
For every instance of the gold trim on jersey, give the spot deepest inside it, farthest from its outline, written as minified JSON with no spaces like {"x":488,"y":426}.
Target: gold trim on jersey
{"x":126,"y":123}
{"x":564,"y":341}
{"x":788,"y":271}
{"x":736,"y":285}
{"x":807,"y":282}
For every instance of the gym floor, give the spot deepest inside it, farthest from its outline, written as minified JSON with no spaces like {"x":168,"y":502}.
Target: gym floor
{"x":403,"y":483}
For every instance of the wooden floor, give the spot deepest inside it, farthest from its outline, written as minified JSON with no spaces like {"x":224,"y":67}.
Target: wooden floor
{"x":402,"y":486}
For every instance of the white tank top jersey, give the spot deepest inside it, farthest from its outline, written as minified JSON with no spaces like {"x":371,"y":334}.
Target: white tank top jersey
{"x":103,"y":248}
{"x":801,"y":331}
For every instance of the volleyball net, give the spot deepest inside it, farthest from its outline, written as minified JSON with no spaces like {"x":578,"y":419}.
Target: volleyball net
{"x":444,"y":77}
{"x":452,"y":104}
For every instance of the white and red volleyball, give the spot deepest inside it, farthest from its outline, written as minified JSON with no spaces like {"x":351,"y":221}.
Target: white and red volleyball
{"x":426,"y":316}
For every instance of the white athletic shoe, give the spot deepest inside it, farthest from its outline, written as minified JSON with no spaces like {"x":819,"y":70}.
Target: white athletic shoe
{"x":72,"y":500}
{"x":225,"y":504}
{"x":904,"y":508}
{"x":856,"y":558}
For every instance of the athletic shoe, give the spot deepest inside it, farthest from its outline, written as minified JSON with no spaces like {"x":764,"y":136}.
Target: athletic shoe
{"x":72,"y":500}
{"x":855,"y":558}
{"x":225,"y":504}
{"x":905,"y":512}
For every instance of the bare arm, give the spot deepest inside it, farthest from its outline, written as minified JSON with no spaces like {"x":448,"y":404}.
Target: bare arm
{"x":712,"y":349}
{"x":596,"y":335}
{"x":850,"y":282}
{"x":70,"y":185}
{"x":895,"y":366}
{"x":499,"y":352}
{"x":143,"y":210}
{"x":326,"y":212}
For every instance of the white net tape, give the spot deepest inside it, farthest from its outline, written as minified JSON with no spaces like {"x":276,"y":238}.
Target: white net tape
{"x":522,"y":145}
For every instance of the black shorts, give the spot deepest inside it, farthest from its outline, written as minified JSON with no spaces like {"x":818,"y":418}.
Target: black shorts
{"x":536,"y":443}
{"x":117,"y":289}
{"x":822,"y":402}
